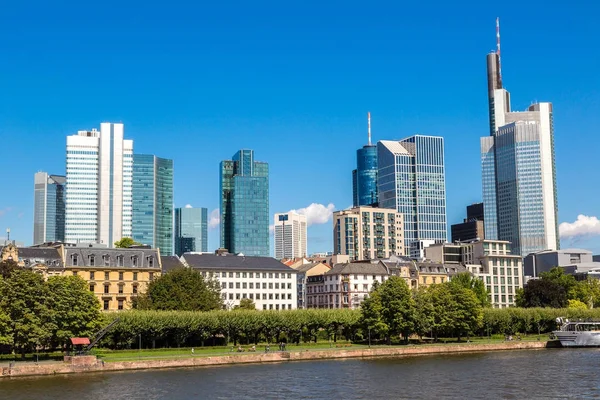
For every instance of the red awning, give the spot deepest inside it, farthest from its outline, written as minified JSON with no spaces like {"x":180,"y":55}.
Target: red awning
{"x":80,"y":340}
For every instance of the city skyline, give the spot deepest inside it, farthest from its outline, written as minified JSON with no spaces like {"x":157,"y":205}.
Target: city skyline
{"x":319,"y":123}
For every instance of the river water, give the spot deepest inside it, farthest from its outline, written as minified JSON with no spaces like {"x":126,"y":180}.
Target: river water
{"x":517,"y":374}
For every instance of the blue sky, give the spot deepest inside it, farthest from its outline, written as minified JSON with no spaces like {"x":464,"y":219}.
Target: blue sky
{"x":197,"y":81}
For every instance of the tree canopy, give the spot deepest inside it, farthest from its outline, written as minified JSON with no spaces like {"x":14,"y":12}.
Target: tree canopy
{"x":246,"y":304}
{"x":542,"y":293}
{"x":125,"y":243}
{"x":476,"y":285}
{"x":181,"y":289}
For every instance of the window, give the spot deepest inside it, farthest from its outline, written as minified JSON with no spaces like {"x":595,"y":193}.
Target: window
{"x":289,"y":276}
{"x":264,"y":275}
{"x":365,"y":287}
{"x":224,"y":296}
{"x":120,"y":289}
{"x":516,"y":272}
{"x":244,"y":275}
{"x":134,"y":261}
{"x":276,"y":296}
{"x":223,"y":274}
{"x":509,"y":271}
{"x":270,"y":285}
{"x":106,"y":289}
{"x":237,"y":285}
{"x":106,"y":304}
{"x":92,"y":261}
{"x":276,"y":285}
{"x":230,"y":296}
{"x":244,"y":285}
{"x":223,"y":285}
{"x":231,"y":274}
{"x":120,"y":305}
{"x":270,"y":306}
{"x":250,"y":274}
{"x":120,"y":276}
{"x":251,"y":296}
{"x":106,"y":276}
{"x":237,"y":274}
{"x":244,"y":295}
{"x":283,"y":306}
{"x":135,"y":276}
{"x":119,"y":261}
{"x":237,"y":296}
{"x":230,"y":285}
{"x":365,"y":277}
{"x":151,"y":276}
{"x":106,"y":259}
{"x":251,"y":285}
{"x":74,"y":259}
{"x":270,"y":296}
{"x":135,"y":289}
{"x":264,"y":296}
{"x":355,"y":276}
{"x":150,"y":262}
{"x":74,"y":273}
{"x":289,"y":306}
{"x":277,"y":306}
{"x":289,"y":296}
{"x":264,"y":306}
{"x":92,"y":288}
{"x":264,"y":285}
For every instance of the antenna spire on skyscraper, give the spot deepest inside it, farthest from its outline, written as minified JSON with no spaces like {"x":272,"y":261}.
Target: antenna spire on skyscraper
{"x":369,"y":121}
{"x":498,"y":46}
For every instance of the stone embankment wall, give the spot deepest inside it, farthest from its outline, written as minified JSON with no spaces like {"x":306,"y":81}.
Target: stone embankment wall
{"x":90,"y":364}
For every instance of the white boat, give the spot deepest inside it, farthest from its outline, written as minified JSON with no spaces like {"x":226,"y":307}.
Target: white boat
{"x":578,"y":333}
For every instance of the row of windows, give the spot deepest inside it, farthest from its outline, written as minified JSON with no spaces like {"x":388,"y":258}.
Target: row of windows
{"x":106,"y":305}
{"x":106,"y":260}
{"x":107,"y":288}
{"x":270,"y":275}
{"x":250,"y":285}
{"x":107,"y":275}
{"x":265,"y":296}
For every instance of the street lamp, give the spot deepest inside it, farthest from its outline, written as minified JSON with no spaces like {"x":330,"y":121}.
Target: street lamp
{"x":140,"y":351}
{"x":369,"y":337}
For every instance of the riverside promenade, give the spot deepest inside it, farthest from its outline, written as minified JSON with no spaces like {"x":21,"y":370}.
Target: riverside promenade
{"x":92,"y":364}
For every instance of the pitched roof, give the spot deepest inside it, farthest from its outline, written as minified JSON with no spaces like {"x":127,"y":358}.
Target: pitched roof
{"x":170,"y":262}
{"x":358,"y":268}
{"x":307,"y":267}
{"x":394,"y":146}
{"x":84,"y":253}
{"x":39,"y":252}
{"x":234,"y":263}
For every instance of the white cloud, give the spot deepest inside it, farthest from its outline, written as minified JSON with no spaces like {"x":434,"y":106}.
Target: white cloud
{"x":316,"y":213}
{"x":188,"y":206}
{"x":583,"y":226}
{"x":214,"y":219}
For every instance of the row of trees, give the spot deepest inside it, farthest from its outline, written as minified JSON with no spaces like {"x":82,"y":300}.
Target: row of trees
{"x":557,"y":290}
{"x":35,"y":313}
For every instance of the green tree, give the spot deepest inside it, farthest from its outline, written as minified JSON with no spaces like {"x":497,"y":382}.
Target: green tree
{"x":580,"y":305}
{"x":466,"y":311}
{"x":7,"y":267}
{"x":468,"y":281}
{"x":542,"y":293}
{"x":371,"y":311}
{"x":588,"y":292}
{"x":23,"y":298}
{"x":558,"y":276}
{"x":246,"y":304}
{"x":181,"y":289}
{"x":125,"y":243}
{"x":75,"y":309}
{"x":398,"y":307}
{"x":424,"y":311}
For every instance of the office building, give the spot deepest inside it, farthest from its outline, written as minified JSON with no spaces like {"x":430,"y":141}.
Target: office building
{"x":99,"y":185}
{"x":153,"y":202}
{"x":270,"y":284}
{"x":411,"y":180}
{"x":573,"y":260}
{"x":364,"y":177}
{"x":48,"y":208}
{"x":472,"y":227}
{"x":290,"y":235}
{"x":244,"y":187}
{"x":518,"y":170}
{"x":191,"y":230}
{"x":366,"y":233}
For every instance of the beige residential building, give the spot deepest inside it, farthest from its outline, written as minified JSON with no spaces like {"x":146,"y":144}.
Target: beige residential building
{"x":304,"y":272}
{"x":366,"y":233}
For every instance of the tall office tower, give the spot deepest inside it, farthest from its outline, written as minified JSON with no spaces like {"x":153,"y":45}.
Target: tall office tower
{"x":367,"y":233}
{"x":290,"y":235}
{"x":411,"y":180}
{"x":191,"y":230}
{"x":472,"y":227}
{"x":244,"y":185}
{"x":518,"y":170}
{"x":153,"y":202}
{"x":364,"y":177}
{"x":48,"y":208}
{"x":98,"y":196}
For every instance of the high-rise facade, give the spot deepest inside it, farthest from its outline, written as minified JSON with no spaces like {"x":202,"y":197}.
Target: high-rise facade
{"x":153,"y":202}
{"x":367,"y":233}
{"x":244,"y":188}
{"x":290,"y":235}
{"x":99,"y":186}
{"x":49,"y":208}
{"x":364,"y":177}
{"x":411,"y":180}
{"x":518,"y":170}
{"x":191,"y":230}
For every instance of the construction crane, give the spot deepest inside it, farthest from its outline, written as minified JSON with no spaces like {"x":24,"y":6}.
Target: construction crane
{"x":95,"y":339}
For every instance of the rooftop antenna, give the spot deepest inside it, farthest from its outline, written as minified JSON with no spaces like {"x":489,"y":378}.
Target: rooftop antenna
{"x":8,"y":235}
{"x":498,"y":47}
{"x":369,"y":120}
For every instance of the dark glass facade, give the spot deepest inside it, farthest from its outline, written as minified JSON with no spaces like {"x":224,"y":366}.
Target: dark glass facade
{"x":152,"y":219}
{"x":49,"y":208}
{"x":191,"y":230}
{"x":244,"y":186}
{"x":364,"y":177}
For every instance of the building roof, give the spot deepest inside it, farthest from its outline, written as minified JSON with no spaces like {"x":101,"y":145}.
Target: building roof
{"x":307,"y":267}
{"x":564,"y":251}
{"x":144,"y":257}
{"x":358,"y":268}
{"x":170,"y":262}
{"x":394,"y":146}
{"x":234,"y":263}
{"x":439,"y":268}
{"x":49,"y":253}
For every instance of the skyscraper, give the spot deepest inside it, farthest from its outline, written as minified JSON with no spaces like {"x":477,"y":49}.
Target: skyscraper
{"x":290,"y":235}
{"x":191,"y":230}
{"x":98,"y":195}
{"x":411,"y":180}
{"x":153,"y":202}
{"x":364,"y":177}
{"x":49,"y":208}
{"x":518,"y":170}
{"x":244,"y":186}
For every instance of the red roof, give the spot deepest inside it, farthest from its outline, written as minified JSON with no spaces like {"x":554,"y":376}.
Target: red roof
{"x":80,"y":340}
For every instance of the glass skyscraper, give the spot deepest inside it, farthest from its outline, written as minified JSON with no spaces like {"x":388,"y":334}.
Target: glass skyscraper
{"x":49,"y":208}
{"x":364,"y":177}
{"x":191,"y":230}
{"x":153,"y":202}
{"x":244,"y":187}
{"x":411,"y":180}
{"x":518,"y":171}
